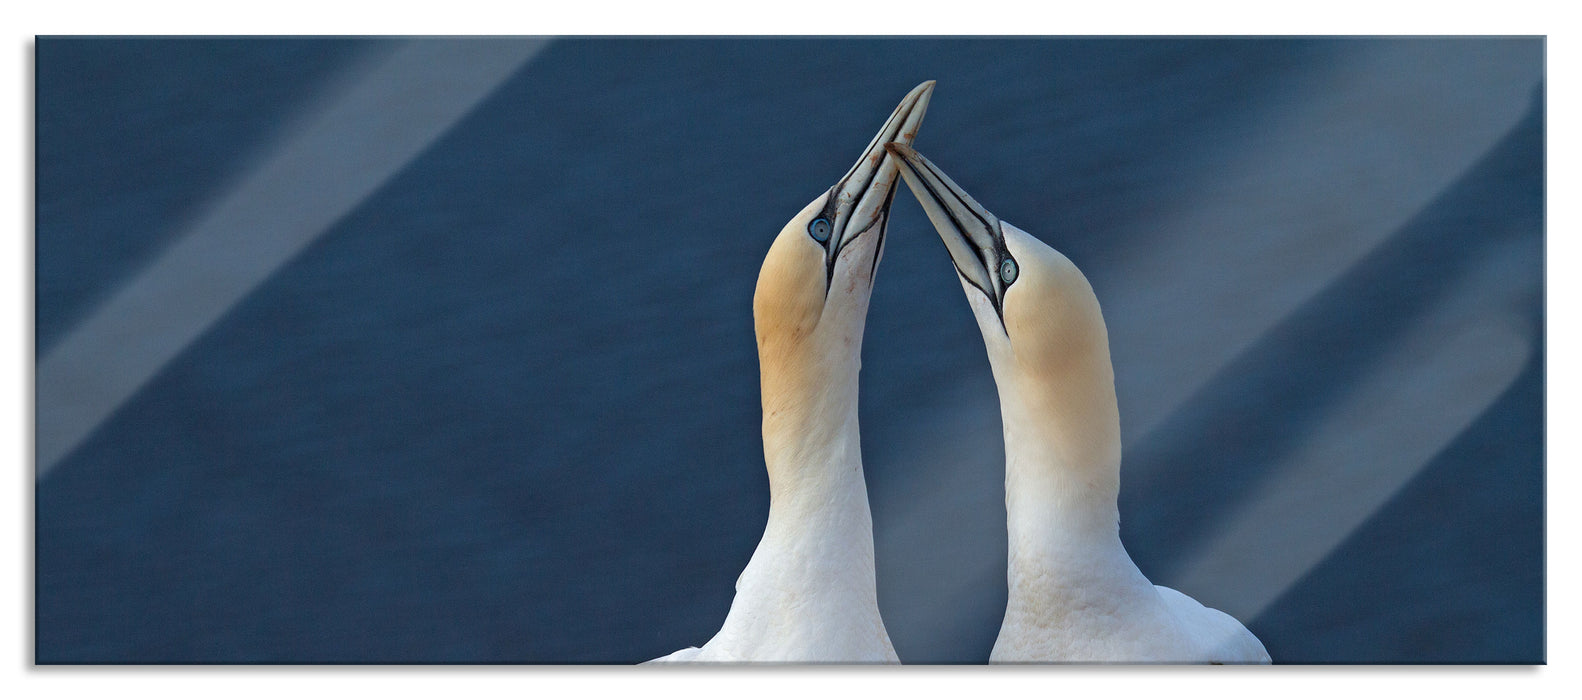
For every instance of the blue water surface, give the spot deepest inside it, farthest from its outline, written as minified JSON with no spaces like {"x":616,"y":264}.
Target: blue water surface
{"x":506,"y":409}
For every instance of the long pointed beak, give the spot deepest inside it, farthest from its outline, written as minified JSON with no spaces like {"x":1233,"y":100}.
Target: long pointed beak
{"x":970,"y":232}
{"x":861,"y":199}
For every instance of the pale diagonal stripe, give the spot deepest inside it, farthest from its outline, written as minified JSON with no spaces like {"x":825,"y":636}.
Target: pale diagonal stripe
{"x":1346,"y":163}
{"x":1445,"y":372}
{"x":317,"y":175}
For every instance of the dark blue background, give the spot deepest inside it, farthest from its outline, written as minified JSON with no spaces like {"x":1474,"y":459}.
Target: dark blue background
{"x":507,"y":409}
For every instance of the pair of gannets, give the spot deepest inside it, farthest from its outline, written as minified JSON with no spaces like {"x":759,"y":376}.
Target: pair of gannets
{"x":808,"y":594}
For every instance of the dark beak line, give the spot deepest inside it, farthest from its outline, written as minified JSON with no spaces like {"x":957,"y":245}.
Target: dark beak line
{"x":879,"y":139}
{"x":959,"y":228}
{"x":960,"y":231}
{"x":890,"y":131}
{"x":845,"y":202}
{"x":926,"y":180}
{"x":873,"y":268}
{"x":873,"y":156}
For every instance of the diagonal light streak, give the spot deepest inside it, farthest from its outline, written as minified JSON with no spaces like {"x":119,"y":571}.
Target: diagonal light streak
{"x":1444,"y":373}
{"x":1366,"y":146}
{"x":317,"y":175}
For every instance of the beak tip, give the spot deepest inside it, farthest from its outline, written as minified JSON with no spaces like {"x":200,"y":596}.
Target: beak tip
{"x":916,"y":104}
{"x":925,"y":93}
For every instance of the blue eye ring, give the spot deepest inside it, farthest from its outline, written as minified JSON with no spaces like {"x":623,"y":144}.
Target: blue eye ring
{"x":819,"y":229}
{"x":1008,"y":270}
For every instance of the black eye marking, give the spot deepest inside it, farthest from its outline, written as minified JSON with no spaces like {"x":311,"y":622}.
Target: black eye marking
{"x":819,"y":229}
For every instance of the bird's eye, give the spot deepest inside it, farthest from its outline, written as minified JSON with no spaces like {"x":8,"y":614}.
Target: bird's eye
{"x":819,"y":229}
{"x":1008,"y":270}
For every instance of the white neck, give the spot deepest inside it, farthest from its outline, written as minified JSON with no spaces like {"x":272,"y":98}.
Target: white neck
{"x":1068,"y":575}
{"x":809,"y":593}
{"x":1053,"y":493}
{"x":813,"y":450}
{"x":1062,"y":480}
{"x":820,"y":527}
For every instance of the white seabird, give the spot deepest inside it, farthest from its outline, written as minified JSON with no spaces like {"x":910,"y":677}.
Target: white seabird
{"x":808,"y":593}
{"x":1075,"y":594}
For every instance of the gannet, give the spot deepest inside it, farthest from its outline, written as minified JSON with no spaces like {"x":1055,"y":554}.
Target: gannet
{"x":808,"y":593}
{"x":1075,"y":594}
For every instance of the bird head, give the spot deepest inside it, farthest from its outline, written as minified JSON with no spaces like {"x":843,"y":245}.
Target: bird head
{"x":1040,"y":319}
{"x":812,"y":297}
